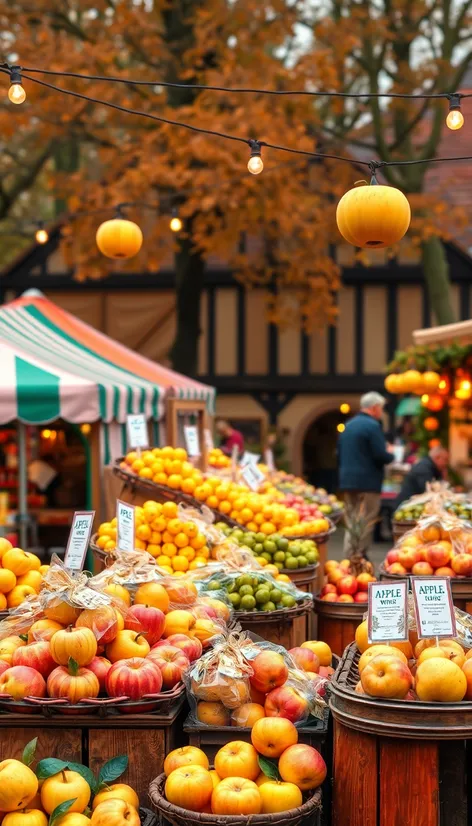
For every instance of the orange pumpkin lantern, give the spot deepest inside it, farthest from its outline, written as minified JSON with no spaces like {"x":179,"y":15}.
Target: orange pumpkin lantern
{"x":434,"y":443}
{"x":431,"y":423}
{"x":431,"y":381}
{"x":373,"y":217}
{"x":412,"y":382}
{"x":393,"y":383}
{"x":119,"y":238}
{"x":435,"y":404}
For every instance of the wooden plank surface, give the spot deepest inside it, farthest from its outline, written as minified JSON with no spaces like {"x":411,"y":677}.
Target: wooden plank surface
{"x":145,"y":749}
{"x":453,"y":797}
{"x":355,"y":774}
{"x":66,"y":744}
{"x":409,"y":783}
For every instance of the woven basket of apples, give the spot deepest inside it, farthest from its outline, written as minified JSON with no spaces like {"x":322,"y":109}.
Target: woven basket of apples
{"x":53,"y":792}
{"x":273,"y":779}
{"x":21,"y":575}
{"x":118,"y":656}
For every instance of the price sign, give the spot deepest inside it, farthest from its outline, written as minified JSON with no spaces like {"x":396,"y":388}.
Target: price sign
{"x":137,"y":430}
{"x":192,"y":441}
{"x":269,"y":459}
{"x":209,"y":439}
{"x":125,"y":518}
{"x":79,"y":539}
{"x":252,"y":476}
{"x":249,"y":458}
{"x":387,"y":612}
{"x":433,"y":607}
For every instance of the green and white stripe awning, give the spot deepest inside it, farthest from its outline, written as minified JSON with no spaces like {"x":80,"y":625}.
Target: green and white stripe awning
{"x":52,"y":365}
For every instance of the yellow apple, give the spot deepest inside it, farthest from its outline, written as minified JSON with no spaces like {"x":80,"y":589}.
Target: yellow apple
{"x":18,"y":785}
{"x":27,"y":817}
{"x":119,"y":791}
{"x":115,"y":812}
{"x":66,"y":785}
{"x":72,"y":819}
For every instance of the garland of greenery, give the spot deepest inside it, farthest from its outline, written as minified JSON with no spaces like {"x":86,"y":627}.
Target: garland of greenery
{"x":423,"y":358}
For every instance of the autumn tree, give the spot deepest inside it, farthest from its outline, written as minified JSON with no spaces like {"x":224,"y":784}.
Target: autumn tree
{"x":403,"y":47}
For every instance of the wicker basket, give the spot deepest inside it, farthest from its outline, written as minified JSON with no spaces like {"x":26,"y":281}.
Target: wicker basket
{"x":307,"y":814}
{"x":280,"y":615}
{"x":148,"y":818}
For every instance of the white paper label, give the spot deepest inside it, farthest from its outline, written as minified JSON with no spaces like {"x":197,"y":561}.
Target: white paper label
{"x":79,"y":539}
{"x":137,"y":430}
{"x":125,"y":518}
{"x":269,"y":459}
{"x":209,"y":439}
{"x":387,"y":611}
{"x":191,"y":440}
{"x":433,"y":607}
{"x":249,"y":458}
{"x":252,"y":476}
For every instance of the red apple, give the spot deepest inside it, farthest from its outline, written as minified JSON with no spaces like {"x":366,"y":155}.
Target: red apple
{"x":133,"y":678}
{"x":305,"y":659}
{"x":148,"y":620}
{"x":100,"y":667}
{"x":461,"y":564}
{"x":347,"y":585}
{"x":20,"y":681}
{"x":285,"y":701}
{"x":328,"y":589}
{"x":392,"y":556}
{"x":361,"y":596}
{"x":445,"y":571}
{"x":36,"y":655}
{"x":396,"y":568}
{"x":172,"y":663}
{"x":330,"y":598}
{"x":4,"y":666}
{"x":422,"y":569}
{"x":269,"y":671}
{"x":438,"y":554}
{"x":326,"y":671}
{"x":345,"y":598}
{"x":363,"y":581}
{"x":192,"y":648}
{"x":408,"y":557}
{"x":302,"y":765}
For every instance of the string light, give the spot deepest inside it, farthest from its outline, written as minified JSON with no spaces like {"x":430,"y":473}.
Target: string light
{"x":16,"y":93}
{"x":424,"y":398}
{"x":255,"y":163}
{"x":41,"y":235}
{"x":175,"y":222}
{"x":345,"y":408}
{"x":341,"y":427}
{"x":455,"y":118}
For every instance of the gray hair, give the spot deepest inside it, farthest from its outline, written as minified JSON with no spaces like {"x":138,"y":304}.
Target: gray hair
{"x":372,"y":399}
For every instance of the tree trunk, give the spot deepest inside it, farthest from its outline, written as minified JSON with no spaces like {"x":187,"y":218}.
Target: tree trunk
{"x":189,"y":281}
{"x":436,"y":273}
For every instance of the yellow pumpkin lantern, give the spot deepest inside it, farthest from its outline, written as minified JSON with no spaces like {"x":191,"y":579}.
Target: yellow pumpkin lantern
{"x":393,"y":383}
{"x":431,"y":381}
{"x":119,"y":238}
{"x":412,"y":382}
{"x":373,"y":217}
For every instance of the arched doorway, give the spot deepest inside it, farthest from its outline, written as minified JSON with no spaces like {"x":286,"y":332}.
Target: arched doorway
{"x":319,"y":451}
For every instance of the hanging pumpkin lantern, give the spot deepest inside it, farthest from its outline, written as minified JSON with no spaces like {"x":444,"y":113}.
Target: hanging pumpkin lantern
{"x":393,"y":383}
{"x":435,"y":404}
{"x":431,"y":423}
{"x":119,"y":238}
{"x":444,"y":385}
{"x":462,"y":386}
{"x":431,"y":381}
{"x":373,"y":217}
{"x":434,"y":443}
{"x":412,"y":382}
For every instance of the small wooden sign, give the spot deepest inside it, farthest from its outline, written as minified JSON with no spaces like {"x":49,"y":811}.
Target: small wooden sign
{"x":434,"y":608}
{"x":387,"y":611}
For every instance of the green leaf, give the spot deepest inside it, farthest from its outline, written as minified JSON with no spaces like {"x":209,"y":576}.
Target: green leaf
{"x":269,"y":768}
{"x":51,"y":765}
{"x":60,"y":810}
{"x":112,"y":770}
{"x":73,"y":667}
{"x":29,"y":752}
{"x":84,"y":772}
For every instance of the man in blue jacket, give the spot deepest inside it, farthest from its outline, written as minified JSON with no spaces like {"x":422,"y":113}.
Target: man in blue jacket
{"x":362,"y":455}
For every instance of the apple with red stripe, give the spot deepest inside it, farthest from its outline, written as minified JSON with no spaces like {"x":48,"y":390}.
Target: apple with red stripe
{"x":134,"y":678}
{"x":172,"y":663}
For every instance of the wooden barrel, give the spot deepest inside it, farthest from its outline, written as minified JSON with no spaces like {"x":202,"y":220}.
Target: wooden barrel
{"x":287,"y":627}
{"x":461,"y":587}
{"x":306,"y":579}
{"x":398,"y":762}
{"x":337,"y":622}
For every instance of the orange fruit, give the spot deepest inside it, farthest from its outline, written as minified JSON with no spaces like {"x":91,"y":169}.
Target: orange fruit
{"x":181,"y":540}
{"x":169,"y":509}
{"x":7,"y":580}
{"x":174,"y":481}
{"x":179,"y":563}
{"x":169,"y":549}
{"x":188,"y":486}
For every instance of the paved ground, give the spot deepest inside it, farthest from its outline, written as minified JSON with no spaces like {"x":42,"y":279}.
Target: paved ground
{"x":376,"y":554}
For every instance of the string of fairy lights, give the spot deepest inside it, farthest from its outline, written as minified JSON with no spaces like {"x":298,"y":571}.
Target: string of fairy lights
{"x":454,"y":121}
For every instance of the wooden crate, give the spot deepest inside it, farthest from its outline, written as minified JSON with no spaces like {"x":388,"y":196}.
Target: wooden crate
{"x":92,"y":740}
{"x":398,"y":762}
{"x":337,"y":622}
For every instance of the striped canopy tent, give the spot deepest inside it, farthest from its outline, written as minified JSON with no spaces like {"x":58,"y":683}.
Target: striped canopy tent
{"x":54,"y":366}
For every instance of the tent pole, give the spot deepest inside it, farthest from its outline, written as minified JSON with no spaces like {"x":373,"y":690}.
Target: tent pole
{"x":22,"y":485}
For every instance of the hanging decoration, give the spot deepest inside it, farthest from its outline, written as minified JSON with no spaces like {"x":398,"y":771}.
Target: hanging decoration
{"x":373,"y":217}
{"x":119,"y":238}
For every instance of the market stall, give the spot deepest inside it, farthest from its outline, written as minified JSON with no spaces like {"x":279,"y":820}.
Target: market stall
{"x":61,"y":373}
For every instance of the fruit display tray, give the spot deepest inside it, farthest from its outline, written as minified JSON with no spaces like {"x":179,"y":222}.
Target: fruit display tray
{"x":102,"y":707}
{"x":308,"y":814}
{"x":409,"y":719}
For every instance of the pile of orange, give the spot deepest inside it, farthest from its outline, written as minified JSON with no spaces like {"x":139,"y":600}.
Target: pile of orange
{"x":167,"y":466}
{"x":216,"y":458}
{"x":176,"y":545}
{"x":21,"y":575}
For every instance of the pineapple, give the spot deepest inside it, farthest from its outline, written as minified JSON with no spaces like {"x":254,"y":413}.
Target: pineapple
{"x":358,"y":528}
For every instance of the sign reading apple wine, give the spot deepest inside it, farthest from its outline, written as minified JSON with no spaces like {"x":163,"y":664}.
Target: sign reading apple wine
{"x":387,"y":612}
{"x":434,"y":608}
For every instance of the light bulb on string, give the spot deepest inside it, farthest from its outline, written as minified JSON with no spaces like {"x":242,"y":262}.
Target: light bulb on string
{"x":455,"y":118}
{"x":175,"y":222}
{"x":345,"y":408}
{"x":16,"y":93}
{"x":255,"y":163}
{"x":41,"y":235}
{"x":341,"y":427}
